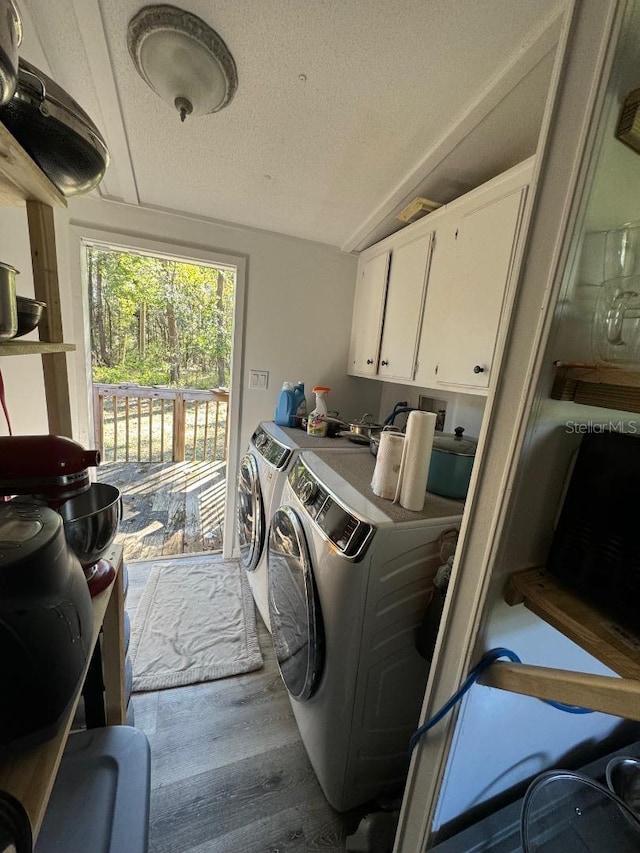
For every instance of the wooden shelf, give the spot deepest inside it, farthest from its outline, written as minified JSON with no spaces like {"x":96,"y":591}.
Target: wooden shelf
{"x":33,"y":347}
{"x":582,"y":622}
{"x":597,"y":385}
{"x":596,"y":633}
{"x":30,"y":775}
{"x":20,"y":179}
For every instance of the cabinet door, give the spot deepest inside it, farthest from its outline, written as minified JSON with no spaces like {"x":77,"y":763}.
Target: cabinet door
{"x":368,"y":308}
{"x":436,"y":323}
{"x":403,"y":312}
{"x":485,"y":239}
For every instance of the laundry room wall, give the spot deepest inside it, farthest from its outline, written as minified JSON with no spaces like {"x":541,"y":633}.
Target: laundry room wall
{"x":24,"y":384}
{"x":298,"y":308}
{"x":465,"y":410}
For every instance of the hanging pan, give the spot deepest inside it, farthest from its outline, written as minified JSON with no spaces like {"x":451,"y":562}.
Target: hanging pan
{"x":56,"y":132}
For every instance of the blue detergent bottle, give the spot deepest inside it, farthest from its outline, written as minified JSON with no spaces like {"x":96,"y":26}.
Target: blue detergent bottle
{"x":285,"y":409}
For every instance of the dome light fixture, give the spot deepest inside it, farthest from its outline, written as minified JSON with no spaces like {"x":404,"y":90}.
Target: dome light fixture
{"x":182,"y":59}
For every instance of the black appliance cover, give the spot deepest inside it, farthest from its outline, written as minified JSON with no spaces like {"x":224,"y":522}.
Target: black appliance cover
{"x":46,"y":623}
{"x":596,"y":546}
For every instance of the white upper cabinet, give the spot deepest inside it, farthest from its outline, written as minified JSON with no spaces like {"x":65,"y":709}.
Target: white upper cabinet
{"x":408,"y":275}
{"x":388,"y":305}
{"x":368,"y":309}
{"x":472,"y":267}
{"x":430,"y":298}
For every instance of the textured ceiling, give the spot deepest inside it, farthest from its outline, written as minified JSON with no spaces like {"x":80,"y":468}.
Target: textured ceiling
{"x":319,"y":157}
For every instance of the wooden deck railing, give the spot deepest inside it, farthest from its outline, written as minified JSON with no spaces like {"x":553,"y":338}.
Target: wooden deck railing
{"x":137,"y":423}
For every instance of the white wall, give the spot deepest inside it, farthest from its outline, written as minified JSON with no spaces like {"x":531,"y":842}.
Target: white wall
{"x":298,"y":307}
{"x":24,"y":384}
{"x":465,"y":410}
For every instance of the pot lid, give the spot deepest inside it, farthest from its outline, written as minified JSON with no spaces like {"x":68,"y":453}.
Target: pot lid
{"x":455,"y":442}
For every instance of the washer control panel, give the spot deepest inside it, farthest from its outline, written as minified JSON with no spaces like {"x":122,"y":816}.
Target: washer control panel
{"x":272,"y":451}
{"x":349,"y":534}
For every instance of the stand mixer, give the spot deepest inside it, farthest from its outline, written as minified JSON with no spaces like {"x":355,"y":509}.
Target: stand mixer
{"x":54,"y":470}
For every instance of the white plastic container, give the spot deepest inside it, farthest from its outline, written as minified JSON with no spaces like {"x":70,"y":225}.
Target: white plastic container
{"x":317,"y":420}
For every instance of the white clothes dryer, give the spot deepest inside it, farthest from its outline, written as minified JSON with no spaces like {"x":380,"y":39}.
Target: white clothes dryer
{"x":262,"y":473}
{"x":350,"y":576}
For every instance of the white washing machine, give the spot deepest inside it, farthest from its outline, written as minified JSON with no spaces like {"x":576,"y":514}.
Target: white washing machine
{"x":262,"y":473}
{"x":350,"y":577}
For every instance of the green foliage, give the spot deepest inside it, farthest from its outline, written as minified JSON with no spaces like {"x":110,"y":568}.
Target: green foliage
{"x":156,"y":321}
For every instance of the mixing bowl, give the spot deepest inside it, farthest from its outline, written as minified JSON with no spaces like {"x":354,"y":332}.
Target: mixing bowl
{"x":91,"y":521}
{"x":29,"y":314}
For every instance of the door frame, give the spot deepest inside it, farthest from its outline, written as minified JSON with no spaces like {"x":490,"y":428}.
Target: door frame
{"x":82,"y":236}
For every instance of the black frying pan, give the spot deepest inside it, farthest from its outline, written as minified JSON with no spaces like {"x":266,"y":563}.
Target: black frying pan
{"x":56,"y":132}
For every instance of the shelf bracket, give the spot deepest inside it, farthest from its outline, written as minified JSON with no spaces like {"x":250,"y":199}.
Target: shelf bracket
{"x":608,"y":694}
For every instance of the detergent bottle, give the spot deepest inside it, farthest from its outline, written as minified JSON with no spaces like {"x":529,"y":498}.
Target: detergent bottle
{"x":317,"y":421}
{"x":299,"y":404}
{"x":285,"y":409}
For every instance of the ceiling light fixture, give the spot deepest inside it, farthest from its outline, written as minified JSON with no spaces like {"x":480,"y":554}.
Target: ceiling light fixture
{"x":182,"y":59}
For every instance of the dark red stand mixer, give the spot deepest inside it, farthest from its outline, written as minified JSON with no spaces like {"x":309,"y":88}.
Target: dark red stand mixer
{"x":54,"y":470}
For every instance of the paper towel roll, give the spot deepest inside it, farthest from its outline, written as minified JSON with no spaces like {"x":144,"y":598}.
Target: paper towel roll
{"x":385,"y":474}
{"x":416,"y":456}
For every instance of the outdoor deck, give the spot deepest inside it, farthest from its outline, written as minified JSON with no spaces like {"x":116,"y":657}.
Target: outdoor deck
{"x":168,"y":507}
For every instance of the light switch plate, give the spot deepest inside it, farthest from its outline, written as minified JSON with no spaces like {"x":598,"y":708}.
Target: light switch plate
{"x":258,"y":380}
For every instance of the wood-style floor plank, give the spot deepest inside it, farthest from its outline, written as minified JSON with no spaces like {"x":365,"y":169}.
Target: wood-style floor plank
{"x":229,"y":772}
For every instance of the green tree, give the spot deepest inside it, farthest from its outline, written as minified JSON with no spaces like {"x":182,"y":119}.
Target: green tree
{"x":158,"y":321}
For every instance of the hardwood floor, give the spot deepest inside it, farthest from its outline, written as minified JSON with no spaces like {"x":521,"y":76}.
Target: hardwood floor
{"x":169,"y":507}
{"x":229,"y":773}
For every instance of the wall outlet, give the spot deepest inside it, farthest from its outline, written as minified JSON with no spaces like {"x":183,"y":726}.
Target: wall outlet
{"x":258,"y":380}
{"x":430,"y":404}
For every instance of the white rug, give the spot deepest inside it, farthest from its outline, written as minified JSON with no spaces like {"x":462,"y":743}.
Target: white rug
{"x":195,"y":622}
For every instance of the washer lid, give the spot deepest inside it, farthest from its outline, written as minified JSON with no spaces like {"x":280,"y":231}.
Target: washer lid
{"x":294,"y":608}
{"x":250,"y":513}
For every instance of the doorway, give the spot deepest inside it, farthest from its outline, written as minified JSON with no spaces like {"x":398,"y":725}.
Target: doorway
{"x":161,"y":348}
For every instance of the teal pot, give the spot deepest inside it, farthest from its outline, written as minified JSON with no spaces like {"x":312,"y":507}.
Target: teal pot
{"x":451,"y":464}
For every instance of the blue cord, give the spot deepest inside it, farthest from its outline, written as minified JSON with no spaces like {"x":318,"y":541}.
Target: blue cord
{"x":483,"y":664}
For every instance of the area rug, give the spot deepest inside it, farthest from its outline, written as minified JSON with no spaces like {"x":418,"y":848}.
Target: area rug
{"x":195,"y":622}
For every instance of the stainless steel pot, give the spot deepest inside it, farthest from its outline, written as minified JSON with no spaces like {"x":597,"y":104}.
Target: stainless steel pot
{"x":8,"y":305}
{"x":365,"y":426}
{"x":10,"y":41}
{"x":374,"y":441}
{"x":451,"y":464}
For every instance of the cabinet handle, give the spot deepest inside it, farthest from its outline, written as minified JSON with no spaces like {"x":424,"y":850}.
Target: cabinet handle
{"x":369,"y":361}
{"x":384,"y":363}
{"x":478,"y":369}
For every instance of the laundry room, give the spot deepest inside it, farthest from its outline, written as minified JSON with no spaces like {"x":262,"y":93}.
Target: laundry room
{"x":428,"y":213}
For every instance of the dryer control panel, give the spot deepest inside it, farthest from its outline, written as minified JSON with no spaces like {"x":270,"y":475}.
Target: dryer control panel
{"x":272,"y":451}
{"x":349,"y":534}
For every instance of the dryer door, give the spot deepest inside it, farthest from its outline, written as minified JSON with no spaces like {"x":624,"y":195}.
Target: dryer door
{"x":294,"y":609}
{"x":250,"y":517}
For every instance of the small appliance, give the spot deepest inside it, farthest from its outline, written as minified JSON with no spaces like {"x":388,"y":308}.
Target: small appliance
{"x":54,"y":470}
{"x":46,"y":624}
